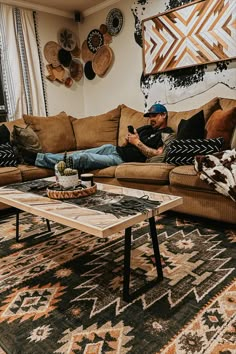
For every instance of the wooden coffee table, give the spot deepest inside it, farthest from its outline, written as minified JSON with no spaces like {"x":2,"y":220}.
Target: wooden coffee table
{"x":110,"y":210}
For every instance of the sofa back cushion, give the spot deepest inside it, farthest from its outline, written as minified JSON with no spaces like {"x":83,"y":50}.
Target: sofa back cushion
{"x":55,"y":133}
{"x":96,"y":130}
{"x":129,"y":116}
{"x":208,"y":108}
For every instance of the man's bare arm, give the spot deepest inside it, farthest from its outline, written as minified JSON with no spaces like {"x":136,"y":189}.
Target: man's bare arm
{"x":147,"y":151}
{"x":144,"y":149}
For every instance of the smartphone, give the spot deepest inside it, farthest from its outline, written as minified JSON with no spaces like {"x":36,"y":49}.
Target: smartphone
{"x":131,"y":129}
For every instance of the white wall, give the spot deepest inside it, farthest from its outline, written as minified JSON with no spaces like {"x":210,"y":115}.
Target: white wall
{"x":122,"y":83}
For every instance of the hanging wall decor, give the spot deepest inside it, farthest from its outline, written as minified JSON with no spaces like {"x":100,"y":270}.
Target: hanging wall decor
{"x":198,"y":33}
{"x":114,"y":21}
{"x":96,"y":53}
{"x":63,"y":58}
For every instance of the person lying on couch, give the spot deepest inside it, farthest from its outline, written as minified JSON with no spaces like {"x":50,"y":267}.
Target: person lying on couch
{"x":142,"y":144}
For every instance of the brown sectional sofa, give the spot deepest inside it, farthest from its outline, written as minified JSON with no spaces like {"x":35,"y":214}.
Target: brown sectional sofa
{"x":61,"y":132}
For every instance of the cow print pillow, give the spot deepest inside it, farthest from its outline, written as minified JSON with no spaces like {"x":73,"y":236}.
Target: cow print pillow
{"x":218,"y":170}
{"x":182,"y":152}
{"x":7,"y":156}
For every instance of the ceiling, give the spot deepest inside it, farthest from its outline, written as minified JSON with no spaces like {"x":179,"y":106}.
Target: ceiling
{"x":68,"y":5}
{"x":86,"y":7}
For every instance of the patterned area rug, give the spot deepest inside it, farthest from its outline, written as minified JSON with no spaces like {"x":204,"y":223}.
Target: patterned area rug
{"x":61,"y":291}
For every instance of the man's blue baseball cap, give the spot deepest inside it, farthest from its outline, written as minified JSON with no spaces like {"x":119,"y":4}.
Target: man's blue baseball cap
{"x":155,"y":109}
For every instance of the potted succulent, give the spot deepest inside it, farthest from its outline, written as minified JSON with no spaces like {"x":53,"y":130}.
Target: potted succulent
{"x":65,"y":173}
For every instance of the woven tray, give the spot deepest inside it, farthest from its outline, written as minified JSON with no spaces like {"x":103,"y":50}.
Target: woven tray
{"x":76,"y":193}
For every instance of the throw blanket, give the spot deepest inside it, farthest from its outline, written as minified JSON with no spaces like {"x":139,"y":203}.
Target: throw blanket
{"x":219,"y":171}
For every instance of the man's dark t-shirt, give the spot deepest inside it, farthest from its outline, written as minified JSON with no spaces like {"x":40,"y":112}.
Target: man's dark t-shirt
{"x":149,"y":136}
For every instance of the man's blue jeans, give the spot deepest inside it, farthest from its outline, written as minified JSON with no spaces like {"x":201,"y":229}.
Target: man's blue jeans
{"x":90,"y":159}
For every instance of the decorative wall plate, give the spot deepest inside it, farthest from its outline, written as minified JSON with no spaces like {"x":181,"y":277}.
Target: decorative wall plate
{"x":57,"y":73}
{"x":51,"y":50}
{"x":114,"y":21}
{"x":86,"y":54}
{"x":102,"y":60}
{"x":88,"y":71}
{"x":76,"y":52}
{"x":67,"y":39}
{"x":76,"y":69}
{"x":103,"y":28}
{"x":95,"y":40}
{"x":64,"y":57}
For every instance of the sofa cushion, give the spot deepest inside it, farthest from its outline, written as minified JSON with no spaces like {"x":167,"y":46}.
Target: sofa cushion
{"x":97,"y":130}
{"x":193,"y":127}
{"x":182,"y":152}
{"x":186,"y":177}
{"x":107,"y":172}
{"x":4,"y":134}
{"x":150,"y":173}
{"x":30,"y":173}
{"x":55,"y":133}
{"x":7,"y":156}
{"x":208,"y":108}
{"x":227,"y":103}
{"x":222,"y":123}
{"x":9,"y":175}
{"x":129,"y":116}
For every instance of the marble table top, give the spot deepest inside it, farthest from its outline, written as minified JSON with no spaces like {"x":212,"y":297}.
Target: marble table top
{"x":110,"y":210}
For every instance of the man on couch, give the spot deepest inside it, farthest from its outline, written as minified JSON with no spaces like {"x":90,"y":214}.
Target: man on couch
{"x":143,"y":144}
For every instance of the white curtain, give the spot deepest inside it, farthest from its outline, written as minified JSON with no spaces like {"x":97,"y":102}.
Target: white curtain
{"x":23,"y":79}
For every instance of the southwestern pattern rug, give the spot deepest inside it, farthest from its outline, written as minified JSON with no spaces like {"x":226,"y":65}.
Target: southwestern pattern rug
{"x":61,"y":290}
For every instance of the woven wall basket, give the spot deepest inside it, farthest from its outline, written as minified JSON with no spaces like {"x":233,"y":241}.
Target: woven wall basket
{"x":77,"y":193}
{"x":102,"y":60}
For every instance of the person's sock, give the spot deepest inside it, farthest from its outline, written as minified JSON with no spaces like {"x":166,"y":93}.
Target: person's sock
{"x":29,"y":156}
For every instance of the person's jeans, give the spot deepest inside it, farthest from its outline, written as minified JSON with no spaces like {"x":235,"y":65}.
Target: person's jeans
{"x":90,"y":159}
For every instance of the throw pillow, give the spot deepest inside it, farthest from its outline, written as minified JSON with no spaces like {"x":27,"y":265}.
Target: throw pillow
{"x":218,"y":171}
{"x":166,"y":139}
{"x":208,"y":108}
{"x":222,"y":123}
{"x":55,"y":133}
{"x":182,"y":152}
{"x":7,"y":156}
{"x":4,"y":134}
{"x":193,"y":127}
{"x":26,"y":138}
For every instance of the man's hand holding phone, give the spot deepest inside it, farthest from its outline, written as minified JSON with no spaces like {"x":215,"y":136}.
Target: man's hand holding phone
{"x":131,"y":129}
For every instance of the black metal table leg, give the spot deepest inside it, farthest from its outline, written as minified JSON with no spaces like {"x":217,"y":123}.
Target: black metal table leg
{"x":155,"y":245}
{"x":48,"y":225}
{"x":17,"y":225}
{"x":127,"y":264}
{"x":127,"y":255}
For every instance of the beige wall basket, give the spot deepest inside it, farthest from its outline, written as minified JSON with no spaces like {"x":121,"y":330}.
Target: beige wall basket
{"x":102,"y":60}
{"x":76,"y":193}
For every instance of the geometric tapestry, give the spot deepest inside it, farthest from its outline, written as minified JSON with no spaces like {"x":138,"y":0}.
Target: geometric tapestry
{"x":198,"y":33}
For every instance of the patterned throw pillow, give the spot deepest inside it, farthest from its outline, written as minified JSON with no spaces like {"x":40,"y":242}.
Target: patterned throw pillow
{"x":182,"y":152}
{"x":7,"y":156}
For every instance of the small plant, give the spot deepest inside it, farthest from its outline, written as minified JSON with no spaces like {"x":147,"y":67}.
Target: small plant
{"x":66,"y":166}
